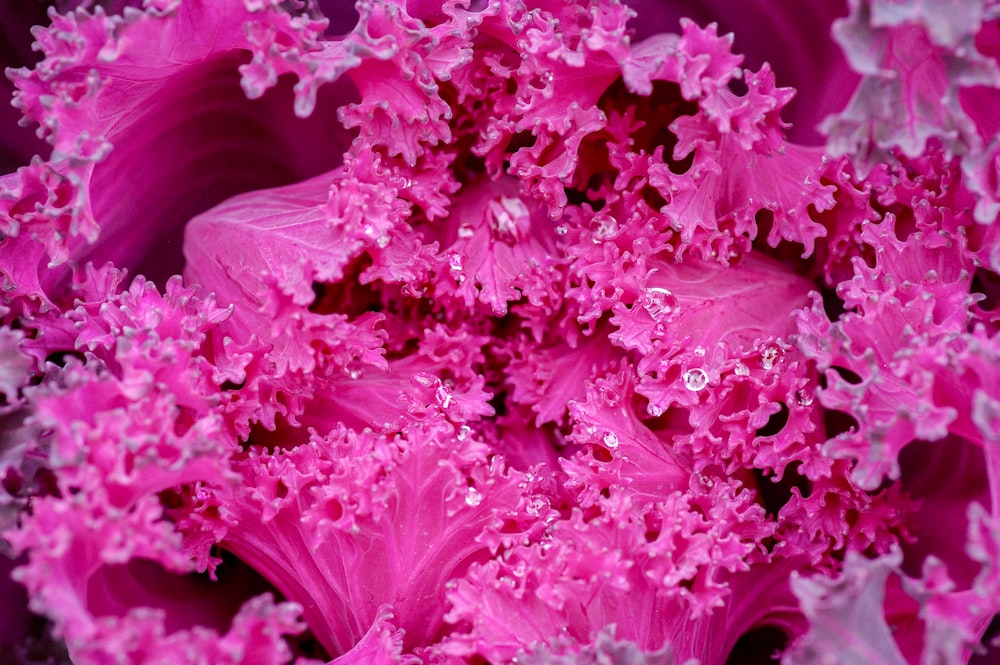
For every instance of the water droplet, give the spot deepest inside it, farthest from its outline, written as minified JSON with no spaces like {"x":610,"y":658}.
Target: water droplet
{"x":606,"y":229}
{"x":426,"y":380}
{"x":695,"y":379}
{"x":515,"y":206}
{"x":611,"y":440}
{"x":804,"y":397}
{"x":463,"y":432}
{"x":654,"y":410}
{"x":741,"y":370}
{"x":382,"y":242}
{"x":536,"y":506}
{"x":547,"y":77}
{"x":502,"y":221}
{"x":443,"y":396}
{"x":455,"y":263}
{"x":465,"y":231}
{"x":768,"y":356}
{"x":659,"y":302}
{"x":562,"y":229}
{"x":506,"y":212}
{"x":699,"y":350}
{"x":473,"y":497}
{"x":355,"y":373}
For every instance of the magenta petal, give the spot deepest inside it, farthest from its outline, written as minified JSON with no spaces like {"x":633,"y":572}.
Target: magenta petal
{"x":919,"y":62}
{"x":846,"y":615}
{"x":353,"y":522}
{"x":797,"y":44}
{"x":539,"y":330}
{"x":150,"y":124}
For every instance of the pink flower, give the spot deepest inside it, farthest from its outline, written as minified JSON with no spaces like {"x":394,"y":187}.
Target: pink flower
{"x":490,"y":332}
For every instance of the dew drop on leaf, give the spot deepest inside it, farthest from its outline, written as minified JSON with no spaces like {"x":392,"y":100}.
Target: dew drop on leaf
{"x":659,"y":302}
{"x":695,"y":379}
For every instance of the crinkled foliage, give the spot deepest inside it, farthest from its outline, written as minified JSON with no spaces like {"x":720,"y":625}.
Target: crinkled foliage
{"x":544,"y":332}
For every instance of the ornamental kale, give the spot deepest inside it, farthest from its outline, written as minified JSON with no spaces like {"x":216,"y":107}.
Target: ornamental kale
{"x":541,"y":331}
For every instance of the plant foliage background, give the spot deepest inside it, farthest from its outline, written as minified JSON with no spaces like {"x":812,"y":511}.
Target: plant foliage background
{"x":495,"y":331}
